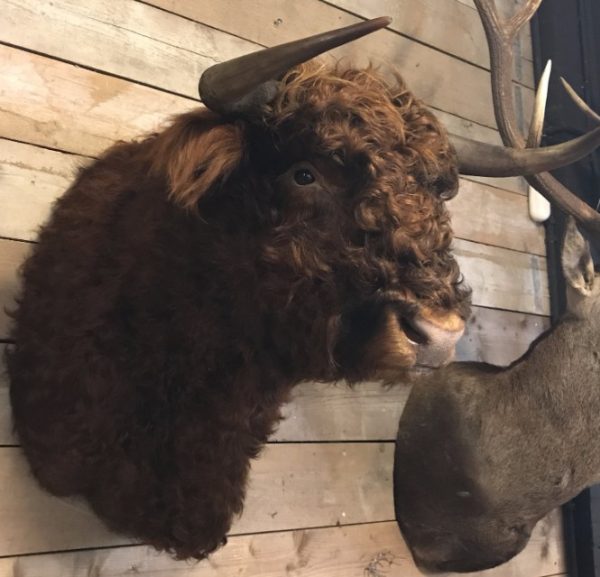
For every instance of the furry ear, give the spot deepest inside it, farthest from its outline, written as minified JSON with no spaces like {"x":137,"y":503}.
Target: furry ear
{"x":577,"y":263}
{"x":197,"y":153}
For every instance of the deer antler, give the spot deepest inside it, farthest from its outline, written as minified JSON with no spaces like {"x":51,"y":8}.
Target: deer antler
{"x":579,"y":101}
{"x":500,"y":35}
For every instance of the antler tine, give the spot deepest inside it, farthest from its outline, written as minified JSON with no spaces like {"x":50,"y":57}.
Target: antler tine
{"x":500,"y":35}
{"x":580,"y":102}
{"x":539,"y":110}
{"x":522,"y":17}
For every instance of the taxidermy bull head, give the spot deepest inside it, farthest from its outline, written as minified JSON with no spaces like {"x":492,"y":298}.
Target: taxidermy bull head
{"x":295,"y":229}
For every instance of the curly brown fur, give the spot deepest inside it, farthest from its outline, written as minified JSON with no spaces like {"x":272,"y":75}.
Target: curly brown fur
{"x":185,"y":283}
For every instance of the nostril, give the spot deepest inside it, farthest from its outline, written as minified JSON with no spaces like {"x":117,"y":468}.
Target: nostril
{"x":413,"y":332}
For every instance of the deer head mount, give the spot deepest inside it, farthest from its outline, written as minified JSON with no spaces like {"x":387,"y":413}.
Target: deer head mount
{"x":483,"y":453}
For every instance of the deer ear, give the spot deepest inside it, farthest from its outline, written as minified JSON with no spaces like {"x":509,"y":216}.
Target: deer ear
{"x":197,"y":155}
{"x":577,"y":263}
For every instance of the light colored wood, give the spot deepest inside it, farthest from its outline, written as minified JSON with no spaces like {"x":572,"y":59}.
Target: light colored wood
{"x":447,"y":25}
{"x":138,"y":41}
{"x":481,"y":213}
{"x":503,"y":278}
{"x":469,"y":129}
{"x":375,"y":550}
{"x":314,"y":485}
{"x":57,"y":105}
{"x":31,"y":178}
{"x":431,"y":74}
{"x":291,"y":486}
{"x":35,"y":521}
{"x":369,"y":411}
{"x":12,"y":254}
{"x":499,"y":337}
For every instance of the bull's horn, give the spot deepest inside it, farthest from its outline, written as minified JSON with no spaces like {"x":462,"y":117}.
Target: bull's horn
{"x":225,"y":85}
{"x":482,"y":159}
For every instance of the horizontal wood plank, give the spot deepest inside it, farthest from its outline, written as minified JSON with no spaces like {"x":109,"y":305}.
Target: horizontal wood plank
{"x":499,"y":337}
{"x":431,"y":74}
{"x":57,"y":105}
{"x":291,"y":486}
{"x":32,"y":178}
{"x":145,"y":44}
{"x":488,"y":215}
{"x":369,"y":411}
{"x":138,"y":41}
{"x":502,"y":278}
{"x":466,"y":128}
{"x":61,"y":106}
{"x":447,"y":25}
{"x":375,"y":550}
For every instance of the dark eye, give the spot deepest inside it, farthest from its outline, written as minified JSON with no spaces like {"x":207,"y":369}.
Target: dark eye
{"x":303,"y":176}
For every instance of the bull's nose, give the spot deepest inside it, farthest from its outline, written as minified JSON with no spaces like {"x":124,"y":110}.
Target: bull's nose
{"x":436,"y":336}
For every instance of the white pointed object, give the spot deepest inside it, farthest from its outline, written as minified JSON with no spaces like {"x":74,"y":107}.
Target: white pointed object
{"x":539,"y":109}
{"x":539,"y":207}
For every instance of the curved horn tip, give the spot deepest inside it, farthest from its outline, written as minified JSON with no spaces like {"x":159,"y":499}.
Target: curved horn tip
{"x":385,"y":20}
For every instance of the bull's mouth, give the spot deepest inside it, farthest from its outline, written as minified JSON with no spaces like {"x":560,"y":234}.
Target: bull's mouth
{"x":386,"y":337}
{"x":415,"y":335}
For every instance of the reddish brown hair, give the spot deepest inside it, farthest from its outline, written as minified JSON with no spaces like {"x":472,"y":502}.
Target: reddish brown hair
{"x":185,"y":283}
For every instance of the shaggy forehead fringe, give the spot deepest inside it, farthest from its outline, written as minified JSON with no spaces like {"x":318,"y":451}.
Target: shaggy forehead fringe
{"x":361,"y":111}
{"x":405,"y":153}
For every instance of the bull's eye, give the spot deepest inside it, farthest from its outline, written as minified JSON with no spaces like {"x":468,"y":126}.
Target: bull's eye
{"x":303,"y":176}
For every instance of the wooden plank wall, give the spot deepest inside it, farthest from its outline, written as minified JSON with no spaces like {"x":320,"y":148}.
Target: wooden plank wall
{"x":79,"y":74}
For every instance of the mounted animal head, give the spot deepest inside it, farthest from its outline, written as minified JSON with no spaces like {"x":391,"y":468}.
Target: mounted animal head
{"x":342,"y":178}
{"x":484,"y":453}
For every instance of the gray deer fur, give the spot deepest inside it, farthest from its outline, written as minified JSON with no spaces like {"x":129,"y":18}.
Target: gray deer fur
{"x":483,"y":453}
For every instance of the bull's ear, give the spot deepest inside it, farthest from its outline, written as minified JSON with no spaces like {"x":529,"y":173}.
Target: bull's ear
{"x":577,"y":263}
{"x":198,"y":156}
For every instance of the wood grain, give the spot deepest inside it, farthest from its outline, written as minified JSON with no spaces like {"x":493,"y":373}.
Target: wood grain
{"x":491,"y":216}
{"x":448,"y":25}
{"x":138,"y":41}
{"x":502,"y":278}
{"x":133,"y":35}
{"x":431,"y":74}
{"x":61,"y":106}
{"x":291,"y":486}
{"x":375,"y":550}
{"x":31,"y":179}
{"x":57,"y":105}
